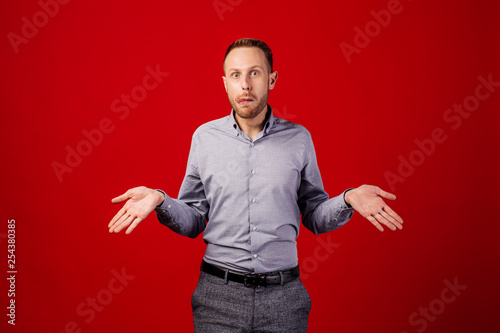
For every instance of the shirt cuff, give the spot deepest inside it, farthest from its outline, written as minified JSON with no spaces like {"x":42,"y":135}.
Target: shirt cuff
{"x":343,"y":197}
{"x":166,"y":213}
{"x":166,"y":205}
{"x":335,"y":213}
{"x":166,"y":210}
{"x":166,"y":196}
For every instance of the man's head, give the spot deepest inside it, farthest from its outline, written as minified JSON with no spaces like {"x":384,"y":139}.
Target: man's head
{"x":248,"y":76}
{"x":251,"y":42}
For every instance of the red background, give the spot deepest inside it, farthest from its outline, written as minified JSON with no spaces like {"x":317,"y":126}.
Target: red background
{"x":362,"y":115}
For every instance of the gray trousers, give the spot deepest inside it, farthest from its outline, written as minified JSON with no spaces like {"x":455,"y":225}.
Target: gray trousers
{"x":232,"y":307}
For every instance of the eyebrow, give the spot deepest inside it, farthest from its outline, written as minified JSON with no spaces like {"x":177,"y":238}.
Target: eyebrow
{"x":250,"y":68}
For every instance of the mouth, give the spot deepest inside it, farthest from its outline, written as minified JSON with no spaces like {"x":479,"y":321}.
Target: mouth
{"x":244,"y":100}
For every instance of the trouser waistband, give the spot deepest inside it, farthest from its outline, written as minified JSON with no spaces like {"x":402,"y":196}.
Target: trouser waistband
{"x":251,"y":279}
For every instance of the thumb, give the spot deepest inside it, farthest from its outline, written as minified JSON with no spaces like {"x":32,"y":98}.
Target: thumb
{"x":387,"y":195}
{"x":120,"y":198}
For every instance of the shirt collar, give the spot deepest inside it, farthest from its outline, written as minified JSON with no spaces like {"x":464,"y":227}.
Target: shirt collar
{"x":270,"y":121}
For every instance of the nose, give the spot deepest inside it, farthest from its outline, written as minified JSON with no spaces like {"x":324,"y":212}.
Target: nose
{"x":245,"y":83}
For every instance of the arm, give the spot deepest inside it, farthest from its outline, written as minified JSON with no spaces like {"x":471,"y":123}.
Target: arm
{"x":328,"y":215}
{"x":141,"y":201}
{"x":319,"y":214}
{"x":186,"y":215}
{"x":322,"y":215}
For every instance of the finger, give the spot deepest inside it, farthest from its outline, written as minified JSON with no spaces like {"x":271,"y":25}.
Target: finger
{"x":126,"y":215}
{"x":393,"y":214}
{"x":391,"y":220}
{"x":124,"y":224}
{"x":120,"y":198}
{"x":133,"y":225}
{"x":375,"y":223}
{"x":117,"y":216}
{"x":382,"y":220}
{"x":387,"y":195}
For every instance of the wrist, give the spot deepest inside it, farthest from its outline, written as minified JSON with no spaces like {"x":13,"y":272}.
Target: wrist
{"x":347,"y":196}
{"x":160,"y":197}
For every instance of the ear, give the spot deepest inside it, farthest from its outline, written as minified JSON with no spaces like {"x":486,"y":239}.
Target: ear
{"x":225,"y":83}
{"x":273,"y":77}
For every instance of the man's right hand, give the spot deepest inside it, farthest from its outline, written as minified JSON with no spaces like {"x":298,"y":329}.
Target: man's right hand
{"x":140,"y":202}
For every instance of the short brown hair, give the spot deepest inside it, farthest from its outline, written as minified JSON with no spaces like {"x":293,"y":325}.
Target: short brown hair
{"x":251,"y":42}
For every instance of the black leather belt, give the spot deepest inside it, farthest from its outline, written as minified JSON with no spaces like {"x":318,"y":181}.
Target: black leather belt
{"x":251,"y":279}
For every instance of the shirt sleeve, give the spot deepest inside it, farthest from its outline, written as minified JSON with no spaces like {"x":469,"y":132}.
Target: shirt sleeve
{"x":186,"y":215}
{"x":319,"y":214}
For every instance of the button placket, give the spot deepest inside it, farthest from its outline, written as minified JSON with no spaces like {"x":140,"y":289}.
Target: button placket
{"x":252,"y":193}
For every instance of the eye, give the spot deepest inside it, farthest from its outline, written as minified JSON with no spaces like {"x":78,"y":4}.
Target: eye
{"x":254,"y":73}
{"x":235,"y":75}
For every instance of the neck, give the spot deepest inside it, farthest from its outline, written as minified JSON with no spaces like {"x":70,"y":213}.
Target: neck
{"x":252,"y":126}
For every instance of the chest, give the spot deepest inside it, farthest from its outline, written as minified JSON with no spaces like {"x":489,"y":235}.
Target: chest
{"x":236,"y":165}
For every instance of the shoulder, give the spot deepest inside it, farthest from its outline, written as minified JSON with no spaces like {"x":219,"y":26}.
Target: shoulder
{"x":210,"y":127}
{"x":297,"y":130}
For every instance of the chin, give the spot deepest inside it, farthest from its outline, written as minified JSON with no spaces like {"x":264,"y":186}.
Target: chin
{"x":247,"y":114}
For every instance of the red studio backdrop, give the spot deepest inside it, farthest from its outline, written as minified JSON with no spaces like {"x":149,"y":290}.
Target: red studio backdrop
{"x":101,"y":96}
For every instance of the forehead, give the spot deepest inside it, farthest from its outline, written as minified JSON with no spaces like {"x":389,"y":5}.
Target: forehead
{"x":245,"y":57}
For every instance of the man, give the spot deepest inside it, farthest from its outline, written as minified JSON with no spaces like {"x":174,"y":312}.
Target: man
{"x":250,"y":177}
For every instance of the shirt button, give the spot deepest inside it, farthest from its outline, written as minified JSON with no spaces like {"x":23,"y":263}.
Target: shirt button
{"x":254,"y":228}
{"x":340,"y":206}
{"x":169,"y":206}
{"x":252,"y":144}
{"x":253,"y":172}
{"x":255,"y":256}
{"x":254,"y":200}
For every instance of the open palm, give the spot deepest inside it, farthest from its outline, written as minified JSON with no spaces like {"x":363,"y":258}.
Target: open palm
{"x":367,"y":200}
{"x":140,"y":202}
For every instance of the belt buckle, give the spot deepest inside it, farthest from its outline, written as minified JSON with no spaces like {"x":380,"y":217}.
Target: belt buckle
{"x":252,"y":280}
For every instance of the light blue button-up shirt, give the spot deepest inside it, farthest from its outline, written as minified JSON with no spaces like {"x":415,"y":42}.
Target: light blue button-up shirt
{"x":247,"y":196}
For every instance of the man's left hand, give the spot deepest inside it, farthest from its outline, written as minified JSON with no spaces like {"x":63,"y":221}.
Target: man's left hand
{"x":367,"y":200}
